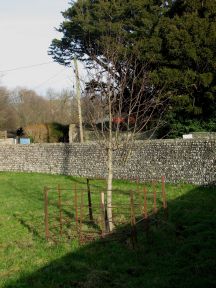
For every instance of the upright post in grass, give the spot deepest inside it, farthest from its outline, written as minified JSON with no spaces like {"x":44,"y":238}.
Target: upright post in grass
{"x":89,"y":201}
{"x":154,"y":197}
{"x":60,"y":209}
{"x":76,"y":207}
{"x":145,"y":210}
{"x":133,"y":220}
{"x":164,"y":197}
{"x":81,"y":217}
{"x":145,"y":213}
{"x":46,"y":215}
{"x":138,"y":193}
{"x":103,"y":214}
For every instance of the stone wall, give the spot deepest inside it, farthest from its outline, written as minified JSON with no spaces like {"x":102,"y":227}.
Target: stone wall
{"x":179,"y":160}
{"x":204,"y":135}
{"x":7,"y":141}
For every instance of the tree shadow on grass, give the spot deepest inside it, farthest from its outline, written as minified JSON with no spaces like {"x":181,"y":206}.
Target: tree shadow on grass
{"x":178,"y":253}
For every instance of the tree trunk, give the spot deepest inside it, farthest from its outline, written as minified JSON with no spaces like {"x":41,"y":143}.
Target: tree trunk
{"x":109,"y":187}
{"x":110,"y":169}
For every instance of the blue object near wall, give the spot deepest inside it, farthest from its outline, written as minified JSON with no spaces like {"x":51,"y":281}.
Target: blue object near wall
{"x":25,"y":141}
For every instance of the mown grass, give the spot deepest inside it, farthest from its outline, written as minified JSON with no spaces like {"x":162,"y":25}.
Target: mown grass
{"x":178,"y":252}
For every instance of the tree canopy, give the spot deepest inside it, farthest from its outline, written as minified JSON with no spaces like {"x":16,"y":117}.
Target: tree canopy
{"x":174,"y":40}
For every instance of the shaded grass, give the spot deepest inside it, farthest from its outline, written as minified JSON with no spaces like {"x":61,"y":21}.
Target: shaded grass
{"x":179,"y":252}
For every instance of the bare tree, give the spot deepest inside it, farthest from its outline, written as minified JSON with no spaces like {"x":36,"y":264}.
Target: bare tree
{"x":21,"y":107}
{"x":8,"y":116}
{"x":121,"y":107}
{"x":62,"y":106}
{"x":29,"y":106}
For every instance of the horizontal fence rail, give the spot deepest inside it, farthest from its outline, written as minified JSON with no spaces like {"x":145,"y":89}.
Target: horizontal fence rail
{"x":81,"y":212}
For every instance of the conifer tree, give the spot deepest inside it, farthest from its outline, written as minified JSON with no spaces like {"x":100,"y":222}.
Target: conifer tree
{"x":174,"y":40}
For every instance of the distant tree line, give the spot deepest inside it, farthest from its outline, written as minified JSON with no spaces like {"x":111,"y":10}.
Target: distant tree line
{"x":23,"y":107}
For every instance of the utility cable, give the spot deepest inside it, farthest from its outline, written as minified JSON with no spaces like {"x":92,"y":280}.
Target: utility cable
{"x":52,"y":77}
{"x":25,"y":67}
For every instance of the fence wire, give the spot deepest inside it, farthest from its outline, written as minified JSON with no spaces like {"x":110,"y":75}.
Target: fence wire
{"x":81,"y":212}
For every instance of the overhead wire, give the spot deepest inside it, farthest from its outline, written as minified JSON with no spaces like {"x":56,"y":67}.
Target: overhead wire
{"x":32,"y":66}
{"x":50,"y":78}
{"x":25,"y":67}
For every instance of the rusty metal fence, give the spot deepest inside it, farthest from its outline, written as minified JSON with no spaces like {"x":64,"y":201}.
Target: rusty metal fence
{"x":81,"y":212}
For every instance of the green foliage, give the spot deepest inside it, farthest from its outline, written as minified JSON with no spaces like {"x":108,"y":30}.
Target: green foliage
{"x":58,"y":132}
{"x":174,"y":40}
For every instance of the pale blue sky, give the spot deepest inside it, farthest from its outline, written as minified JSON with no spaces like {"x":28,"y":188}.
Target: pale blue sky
{"x":26,"y":31}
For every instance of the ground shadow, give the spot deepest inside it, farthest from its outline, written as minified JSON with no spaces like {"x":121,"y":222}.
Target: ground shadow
{"x":178,"y":252}
{"x":31,"y":229}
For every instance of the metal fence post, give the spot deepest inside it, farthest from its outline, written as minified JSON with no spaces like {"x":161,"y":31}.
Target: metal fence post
{"x":155,"y":197}
{"x":133,"y":220}
{"x":89,"y":201}
{"x":46,"y":215}
{"x":164,"y":197}
{"x":81,"y":217}
{"x":76,"y":208}
{"x":60,"y":209}
{"x":145,"y":210}
{"x":103,"y":215}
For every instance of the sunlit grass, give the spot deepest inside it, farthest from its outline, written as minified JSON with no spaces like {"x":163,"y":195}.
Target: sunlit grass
{"x":178,"y":253}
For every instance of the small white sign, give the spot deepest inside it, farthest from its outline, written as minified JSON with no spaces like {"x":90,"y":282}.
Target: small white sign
{"x":188,"y":136}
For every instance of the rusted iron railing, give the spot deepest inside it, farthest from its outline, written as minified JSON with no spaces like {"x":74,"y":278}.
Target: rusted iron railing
{"x":81,"y":211}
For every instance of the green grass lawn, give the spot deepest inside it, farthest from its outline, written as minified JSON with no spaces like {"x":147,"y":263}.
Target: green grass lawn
{"x":178,"y":252}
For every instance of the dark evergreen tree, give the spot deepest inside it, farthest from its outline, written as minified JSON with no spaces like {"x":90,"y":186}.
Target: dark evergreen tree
{"x":175,"y":41}
{"x":188,"y":65}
